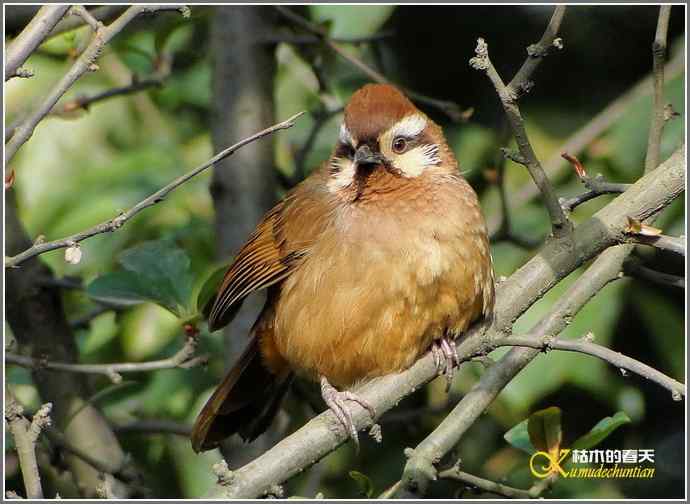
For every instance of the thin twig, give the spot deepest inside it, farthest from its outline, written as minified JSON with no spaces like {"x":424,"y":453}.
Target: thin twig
{"x":31,"y":37}
{"x":560,"y":225}
{"x":25,"y":434}
{"x":634,"y":267}
{"x":84,"y":102}
{"x":454,"y":473}
{"x":521,"y":82}
{"x":183,"y":358}
{"x":86,"y":62}
{"x":555,"y":166}
{"x":595,"y":186}
{"x":586,"y":346}
{"x":451,"y":109}
{"x":117,"y":222}
{"x":148,"y":426}
{"x":659,"y":59}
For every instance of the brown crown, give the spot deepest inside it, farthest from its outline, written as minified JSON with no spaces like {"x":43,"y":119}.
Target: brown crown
{"x":375,"y":108}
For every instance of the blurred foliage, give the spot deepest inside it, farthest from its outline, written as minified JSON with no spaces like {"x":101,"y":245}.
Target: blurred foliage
{"x":159,"y":268}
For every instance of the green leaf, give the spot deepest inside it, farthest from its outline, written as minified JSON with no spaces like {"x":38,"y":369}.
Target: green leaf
{"x":210,"y":287}
{"x":350,"y":20}
{"x":601,"y":431}
{"x":366,"y":487}
{"x":120,"y":288}
{"x":518,"y":437}
{"x":155,"y":271}
{"x":544,"y":429}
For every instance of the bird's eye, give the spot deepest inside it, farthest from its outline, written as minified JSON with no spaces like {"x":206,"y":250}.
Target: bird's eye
{"x":399,"y":145}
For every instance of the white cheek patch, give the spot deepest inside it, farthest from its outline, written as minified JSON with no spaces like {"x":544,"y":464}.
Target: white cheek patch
{"x":413,"y":162}
{"x":409,"y":127}
{"x":344,"y":174}
{"x":345,"y":136}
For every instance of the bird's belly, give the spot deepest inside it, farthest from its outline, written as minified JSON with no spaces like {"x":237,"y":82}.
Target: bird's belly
{"x":354,"y":311}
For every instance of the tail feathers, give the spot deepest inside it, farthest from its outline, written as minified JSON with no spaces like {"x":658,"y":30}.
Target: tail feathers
{"x":245,"y":402}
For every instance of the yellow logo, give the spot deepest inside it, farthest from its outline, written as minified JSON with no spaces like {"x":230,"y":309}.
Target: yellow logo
{"x":543,"y":464}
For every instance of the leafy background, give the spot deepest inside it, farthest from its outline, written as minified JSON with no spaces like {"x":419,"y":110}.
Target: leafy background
{"x":82,"y":169}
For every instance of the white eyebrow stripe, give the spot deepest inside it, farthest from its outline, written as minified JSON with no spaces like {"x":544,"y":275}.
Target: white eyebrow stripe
{"x":409,"y":126}
{"x":345,"y":136}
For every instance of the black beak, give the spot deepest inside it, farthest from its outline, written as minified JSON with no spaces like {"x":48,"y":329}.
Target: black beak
{"x":365,"y":156}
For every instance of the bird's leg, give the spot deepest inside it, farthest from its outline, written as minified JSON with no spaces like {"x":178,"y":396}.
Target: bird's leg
{"x":335,"y":400}
{"x":446,"y":358}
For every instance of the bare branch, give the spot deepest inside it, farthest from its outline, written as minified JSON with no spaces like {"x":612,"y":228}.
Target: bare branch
{"x":659,"y":59}
{"x":84,"y":102}
{"x":514,"y":296}
{"x":586,"y":346}
{"x":662,"y":242}
{"x":449,"y":108}
{"x":117,"y":222}
{"x":86,"y":62}
{"x":595,"y":186}
{"x":535,"y":53}
{"x":454,"y":473}
{"x":86,"y":16}
{"x":31,"y":37}
{"x":560,"y":225}
{"x":183,"y":358}
{"x":555,"y":166}
{"x":25,"y":435}
{"x":149,"y":426}
{"x":634,"y":267}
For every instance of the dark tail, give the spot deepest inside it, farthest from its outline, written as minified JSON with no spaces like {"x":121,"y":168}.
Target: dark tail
{"x":245,"y":402}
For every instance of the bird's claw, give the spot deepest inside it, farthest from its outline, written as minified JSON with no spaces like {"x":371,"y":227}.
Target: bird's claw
{"x":446,"y":358}
{"x":335,"y":400}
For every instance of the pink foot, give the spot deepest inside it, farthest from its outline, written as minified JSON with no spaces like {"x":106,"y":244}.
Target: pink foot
{"x":446,"y":358}
{"x":335,"y":400}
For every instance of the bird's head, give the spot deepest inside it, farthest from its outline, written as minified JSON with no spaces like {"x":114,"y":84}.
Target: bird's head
{"x":382,"y":130}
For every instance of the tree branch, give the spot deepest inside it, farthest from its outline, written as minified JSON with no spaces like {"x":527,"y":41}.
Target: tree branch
{"x":117,"y":222}
{"x":454,"y":473}
{"x":536,"y":52}
{"x":595,"y":186}
{"x":634,"y":267}
{"x":659,"y":59}
{"x":86,"y":62}
{"x":25,"y":435}
{"x":586,"y":346}
{"x":31,"y":37}
{"x":560,"y":224}
{"x":662,"y":242}
{"x":555,"y":166}
{"x":183,"y":358}
{"x":451,"y":109}
{"x":555,"y":260}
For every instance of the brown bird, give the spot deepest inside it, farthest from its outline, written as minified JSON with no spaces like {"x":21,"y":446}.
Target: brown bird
{"x":376,"y":258}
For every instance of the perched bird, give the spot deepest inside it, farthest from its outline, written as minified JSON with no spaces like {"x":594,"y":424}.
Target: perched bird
{"x":377,"y":257}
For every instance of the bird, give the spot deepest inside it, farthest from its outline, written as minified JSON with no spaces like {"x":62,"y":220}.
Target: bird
{"x":379,"y":256}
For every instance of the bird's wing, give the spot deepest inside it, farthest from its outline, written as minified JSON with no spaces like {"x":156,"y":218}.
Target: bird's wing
{"x":277,"y":246}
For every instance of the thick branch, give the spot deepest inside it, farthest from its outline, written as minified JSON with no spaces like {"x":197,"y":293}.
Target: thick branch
{"x":515,"y":295}
{"x":117,"y":222}
{"x":183,"y":358}
{"x":560,"y":224}
{"x":86,"y":62}
{"x":31,"y":37}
